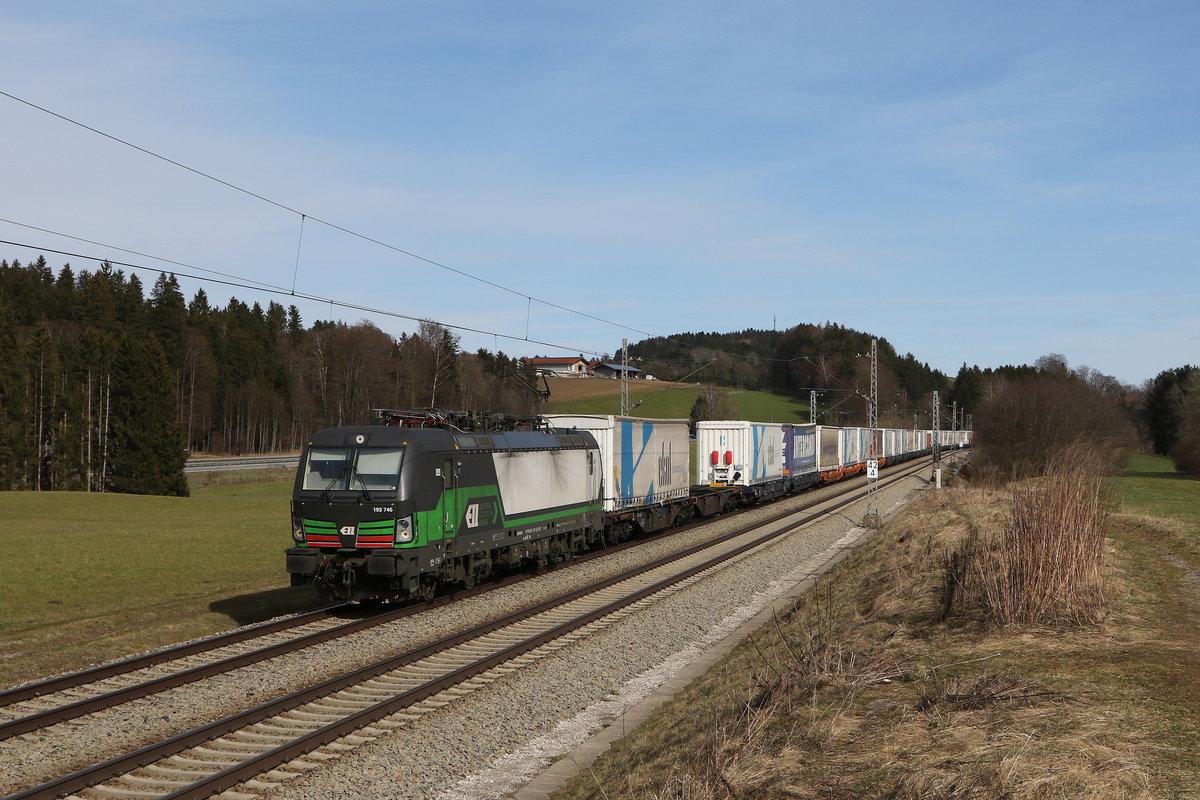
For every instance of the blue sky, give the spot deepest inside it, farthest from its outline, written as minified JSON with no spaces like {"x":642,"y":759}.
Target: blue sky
{"x":982,"y":182}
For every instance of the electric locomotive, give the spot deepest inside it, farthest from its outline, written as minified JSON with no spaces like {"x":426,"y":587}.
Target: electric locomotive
{"x":396,"y":510}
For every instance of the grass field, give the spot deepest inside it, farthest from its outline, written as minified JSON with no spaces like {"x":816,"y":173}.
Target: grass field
{"x":88,"y":577}
{"x":1151,"y":485}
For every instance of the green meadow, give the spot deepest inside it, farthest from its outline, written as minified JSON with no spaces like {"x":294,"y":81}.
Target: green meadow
{"x":1150,"y":485}
{"x":88,"y":577}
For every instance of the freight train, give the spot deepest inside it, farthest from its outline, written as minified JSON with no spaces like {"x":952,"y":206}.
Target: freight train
{"x":428,"y":498}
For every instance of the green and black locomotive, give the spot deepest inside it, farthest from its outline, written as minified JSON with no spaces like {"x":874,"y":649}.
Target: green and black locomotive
{"x":385,"y":512}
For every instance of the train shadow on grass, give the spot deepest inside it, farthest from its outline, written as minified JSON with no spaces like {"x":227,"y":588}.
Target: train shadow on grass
{"x":245,"y":609}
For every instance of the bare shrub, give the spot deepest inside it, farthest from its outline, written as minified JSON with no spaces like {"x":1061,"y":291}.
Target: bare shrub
{"x":1045,"y":566}
{"x":1022,"y":423}
{"x":711,"y":403}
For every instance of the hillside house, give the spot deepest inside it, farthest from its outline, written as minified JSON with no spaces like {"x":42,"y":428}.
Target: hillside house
{"x":570,"y":367}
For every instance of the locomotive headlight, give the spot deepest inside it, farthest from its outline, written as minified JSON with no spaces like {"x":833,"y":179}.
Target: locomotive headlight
{"x":404,"y":531}
{"x":297,"y":530}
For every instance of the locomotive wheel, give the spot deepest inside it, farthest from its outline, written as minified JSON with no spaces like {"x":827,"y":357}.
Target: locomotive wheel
{"x":429,"y":588}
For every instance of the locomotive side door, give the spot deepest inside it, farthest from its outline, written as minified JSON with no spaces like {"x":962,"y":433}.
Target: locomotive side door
{"x":451,"y":504}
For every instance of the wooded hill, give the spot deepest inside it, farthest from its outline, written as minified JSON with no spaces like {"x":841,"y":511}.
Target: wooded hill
{"x":828,"y":357}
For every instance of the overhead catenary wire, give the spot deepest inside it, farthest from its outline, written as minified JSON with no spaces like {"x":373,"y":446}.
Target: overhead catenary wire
{"x":241,"y":281}
{"x":350,"y":232}
{"x":358,"y":307}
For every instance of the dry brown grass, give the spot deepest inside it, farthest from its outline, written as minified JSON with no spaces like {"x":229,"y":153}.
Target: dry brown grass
{"x":1045,"y":564}
{"x":863,"y":690}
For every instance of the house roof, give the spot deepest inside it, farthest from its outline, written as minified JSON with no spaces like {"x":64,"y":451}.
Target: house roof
{"x":615,"y":367}
{"x":541,"y":360}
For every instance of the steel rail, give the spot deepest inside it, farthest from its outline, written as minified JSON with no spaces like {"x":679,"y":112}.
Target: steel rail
{"x":281,"y":755}
{"x":97,"y":673}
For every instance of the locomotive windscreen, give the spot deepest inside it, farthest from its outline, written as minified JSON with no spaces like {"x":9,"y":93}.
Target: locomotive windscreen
{"x":374,"y":469}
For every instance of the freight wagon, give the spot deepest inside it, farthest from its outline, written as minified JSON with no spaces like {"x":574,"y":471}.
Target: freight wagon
{"x":747,"y":454}
{"x":646,"y":474}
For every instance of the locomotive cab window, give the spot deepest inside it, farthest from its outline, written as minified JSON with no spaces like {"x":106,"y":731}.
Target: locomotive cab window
{"x":377,"y":469}
{"x":325,"y":467}
{"x":372,"y":469}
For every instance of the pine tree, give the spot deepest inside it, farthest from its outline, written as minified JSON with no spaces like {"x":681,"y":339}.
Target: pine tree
{"x":15,"y":448}
{"x":168,"y":318}
{"x":1164,"y":405}
{"x":145,"y":439}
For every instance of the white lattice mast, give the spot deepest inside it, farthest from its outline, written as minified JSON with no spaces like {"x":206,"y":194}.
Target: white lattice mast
{"x":871,"y":518}
{"x":937,"y":441}
{"x":624,"y":377}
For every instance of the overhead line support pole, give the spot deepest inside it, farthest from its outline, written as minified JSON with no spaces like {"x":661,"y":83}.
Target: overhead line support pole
{"x":871,"y":518}
{"x":624,"y":377}
{"x":937,"y":441}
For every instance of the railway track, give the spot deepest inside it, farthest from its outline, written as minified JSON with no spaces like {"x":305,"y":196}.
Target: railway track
{"x":283,"y":738}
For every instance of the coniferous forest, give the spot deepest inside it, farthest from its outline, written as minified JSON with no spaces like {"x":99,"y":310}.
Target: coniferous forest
{"x":104,"y":387}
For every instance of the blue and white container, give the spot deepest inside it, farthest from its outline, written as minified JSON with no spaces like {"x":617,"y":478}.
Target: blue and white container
{"x":739,"y":453}
{"x":645,"y":461}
